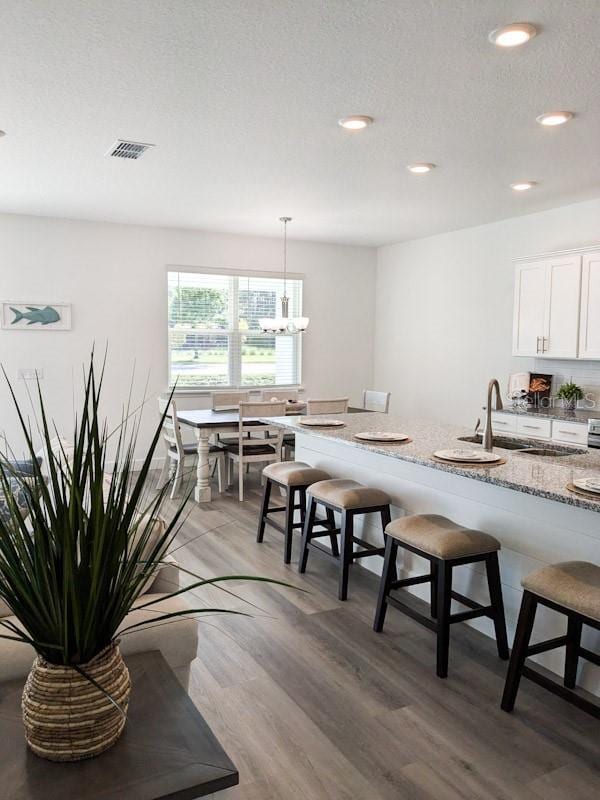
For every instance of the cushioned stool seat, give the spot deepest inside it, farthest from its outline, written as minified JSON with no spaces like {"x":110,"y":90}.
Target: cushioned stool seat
{"x":571,"y":584}
{"x":295,"y":477}
{"x":347,"y":494}
{"x":350,"y":499}
{"x":440,"y":537}
{"x":445,"y":545}
{"x":571,"y":588}
{"x":294,"y":473}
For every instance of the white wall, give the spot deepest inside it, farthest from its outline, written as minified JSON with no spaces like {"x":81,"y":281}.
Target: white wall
{"x":444,"y":312}
{"x":115,"y":277}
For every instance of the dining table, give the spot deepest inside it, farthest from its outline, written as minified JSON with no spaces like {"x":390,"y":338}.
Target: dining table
{"x":207,"y":422}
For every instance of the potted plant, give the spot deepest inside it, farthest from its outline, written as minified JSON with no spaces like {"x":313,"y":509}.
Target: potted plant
{"x":570,"y":393}
{"x":71,"y":568}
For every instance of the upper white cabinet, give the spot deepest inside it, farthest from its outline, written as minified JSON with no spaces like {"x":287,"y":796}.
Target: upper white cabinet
{"x":546,"y":312}
{"x":530,"y":304}
{"x":589,"y":331}
{"x":561,"y":329}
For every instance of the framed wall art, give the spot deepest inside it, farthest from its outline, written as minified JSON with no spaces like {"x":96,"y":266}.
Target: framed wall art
{"x":30,"y":316}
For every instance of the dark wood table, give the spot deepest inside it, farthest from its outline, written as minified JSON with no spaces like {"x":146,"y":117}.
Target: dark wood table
{"x":205,"y":423}
{"x":166,"y":751}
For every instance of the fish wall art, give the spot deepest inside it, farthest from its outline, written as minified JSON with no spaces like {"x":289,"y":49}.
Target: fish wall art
{"x":36,"y":316}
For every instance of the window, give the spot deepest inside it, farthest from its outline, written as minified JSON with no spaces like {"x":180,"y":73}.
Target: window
{"x":214,"y":336}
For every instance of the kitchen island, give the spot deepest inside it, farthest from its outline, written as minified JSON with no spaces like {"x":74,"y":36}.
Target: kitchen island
{"x":523,"y":502}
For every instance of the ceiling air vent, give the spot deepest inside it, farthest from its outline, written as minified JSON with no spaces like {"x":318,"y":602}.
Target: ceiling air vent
{"x":130,"y":150}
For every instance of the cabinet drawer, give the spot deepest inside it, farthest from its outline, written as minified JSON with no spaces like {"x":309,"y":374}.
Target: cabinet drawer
{"x":573,"y":432}
{"x":504,"y":422}
{"x":538,"y":428}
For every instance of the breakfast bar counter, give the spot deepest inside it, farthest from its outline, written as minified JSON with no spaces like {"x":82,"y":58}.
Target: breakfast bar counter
{"x":524,"y":502}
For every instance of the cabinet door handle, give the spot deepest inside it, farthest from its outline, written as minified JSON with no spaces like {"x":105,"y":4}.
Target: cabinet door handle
{"x":532,"y":427}
{"x":537,"y":349}
{"x":545,"y":344}
{"x":569,"y":433}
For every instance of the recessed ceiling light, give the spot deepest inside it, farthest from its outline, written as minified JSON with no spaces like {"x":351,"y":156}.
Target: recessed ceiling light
{"x":522,"y":186}
{"x":420,"y":167}
{"x":554,"y":118}
{"x":356,"y":122}
{"x":513,"y":35}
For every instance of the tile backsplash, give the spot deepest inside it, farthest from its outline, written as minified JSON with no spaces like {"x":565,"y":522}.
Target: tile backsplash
{"x":584,"y":373}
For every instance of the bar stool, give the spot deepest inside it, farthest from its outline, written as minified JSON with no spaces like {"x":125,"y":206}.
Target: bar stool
{"x":445,"y":545}
{"x":350,"y":499}
{"x":295,"y":477}
{"x":572,"y":588}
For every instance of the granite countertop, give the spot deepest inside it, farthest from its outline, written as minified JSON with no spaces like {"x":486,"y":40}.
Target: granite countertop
{"x":536,"y":475}
{"x":579,"y":415}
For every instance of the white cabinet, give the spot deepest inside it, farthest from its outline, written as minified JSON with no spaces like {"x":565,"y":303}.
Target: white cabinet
{"x":572,"y":432}
{"x":561,"y":324}
{"x":532,"y":426}
{"x":546,"y":312}
{"x":530,"y":305}
{"x":503,"y":423}
{"x":589,"y":332}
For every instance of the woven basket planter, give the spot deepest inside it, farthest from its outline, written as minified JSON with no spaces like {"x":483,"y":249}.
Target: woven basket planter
{"x":66,"y":717}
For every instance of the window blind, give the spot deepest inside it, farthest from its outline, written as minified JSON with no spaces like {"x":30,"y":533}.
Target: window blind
{"x":215,"y":339}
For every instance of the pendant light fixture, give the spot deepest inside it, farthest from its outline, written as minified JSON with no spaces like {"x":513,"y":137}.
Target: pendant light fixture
{"x":284,"y":324}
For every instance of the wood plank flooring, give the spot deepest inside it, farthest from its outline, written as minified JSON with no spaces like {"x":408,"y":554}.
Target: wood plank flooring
{"x":311,"y":704}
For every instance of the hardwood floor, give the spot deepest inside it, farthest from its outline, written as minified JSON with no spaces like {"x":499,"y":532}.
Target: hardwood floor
{"x":310,"y":703}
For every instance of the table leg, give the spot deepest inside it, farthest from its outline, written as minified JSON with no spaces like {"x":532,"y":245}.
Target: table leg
{"x":202,"y":493}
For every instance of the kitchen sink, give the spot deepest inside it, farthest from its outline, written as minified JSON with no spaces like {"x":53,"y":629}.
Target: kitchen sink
{"x":525,"y":446}
{"x":551,"y":451}
{"x":499,"y":441}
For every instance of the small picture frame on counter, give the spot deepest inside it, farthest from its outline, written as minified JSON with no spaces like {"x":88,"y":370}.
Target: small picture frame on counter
{"x":540,"y":389}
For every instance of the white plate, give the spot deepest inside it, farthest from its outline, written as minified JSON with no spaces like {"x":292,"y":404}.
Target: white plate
{"x":471,"y":456}
{"x":588,"y":484}
{"x":381,"y":436}
{"x":321,"y":422}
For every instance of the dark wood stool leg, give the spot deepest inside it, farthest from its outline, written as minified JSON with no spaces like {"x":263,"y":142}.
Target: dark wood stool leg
{"x":495,"y":589}
{"x":574,"y":627}
{"x":386,"y":518}
{"x":433,"y":573}
{"x":306,"y":532}
{"x":289,"y":523}
{"x":334,"y":542}
{"x":302,"y":505}
{"x":443,"y":617}
{"x":389,"y":568}
{"x":519,"y":651}
{"x":263,"y":511}
{"x":347,"y":529}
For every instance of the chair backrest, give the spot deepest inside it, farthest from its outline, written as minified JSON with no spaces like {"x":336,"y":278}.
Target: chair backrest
{"x":376,"y":401}
{"x":261,"y":409}
{"x":337,"y":406}
{"x":229,"y":401}
{"x":280,"y":394}
{"x":171,"y":431}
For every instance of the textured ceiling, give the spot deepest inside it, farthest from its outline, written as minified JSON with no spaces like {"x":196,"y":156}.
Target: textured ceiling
{"x":241,"y":98}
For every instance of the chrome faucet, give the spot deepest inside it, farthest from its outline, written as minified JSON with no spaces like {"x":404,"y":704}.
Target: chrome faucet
{"x":488,"y":436}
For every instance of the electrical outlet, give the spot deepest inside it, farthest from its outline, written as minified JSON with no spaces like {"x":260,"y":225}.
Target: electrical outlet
{"x":30,"y":373}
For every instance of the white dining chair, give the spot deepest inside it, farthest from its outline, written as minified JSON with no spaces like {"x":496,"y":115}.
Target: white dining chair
{"x":250,"y":451}
{"x":287,"y":395}
{"x":335,"y":406}
{"x":178,"y":454}
{"x":376,"y":401}
{"x":228,"y":401}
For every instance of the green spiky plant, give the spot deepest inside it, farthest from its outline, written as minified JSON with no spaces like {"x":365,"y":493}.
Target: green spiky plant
{"x":72,"y":570}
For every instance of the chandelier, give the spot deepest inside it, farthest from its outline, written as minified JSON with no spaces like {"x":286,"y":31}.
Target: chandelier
{"x":284,"y":323}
